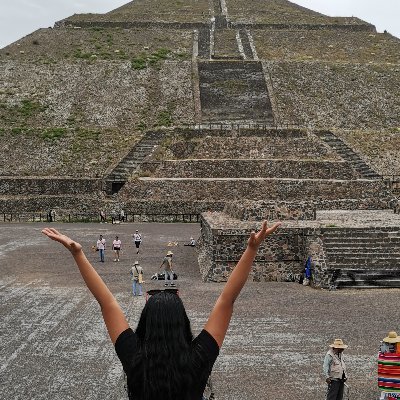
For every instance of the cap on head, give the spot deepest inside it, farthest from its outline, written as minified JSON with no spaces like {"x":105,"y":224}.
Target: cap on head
{"x":136,"y":263}
{"x":170,"y":253}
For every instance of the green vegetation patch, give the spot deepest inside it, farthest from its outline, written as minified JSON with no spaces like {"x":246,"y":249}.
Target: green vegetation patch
{"x":53,"y":133}
{"x":27,"y":108}
{"x":145,"y":60}
{"x":164,"y":118}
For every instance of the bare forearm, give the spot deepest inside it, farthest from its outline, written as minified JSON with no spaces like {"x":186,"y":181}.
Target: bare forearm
{"x":93,"y":280}
{"x":239,"y":275}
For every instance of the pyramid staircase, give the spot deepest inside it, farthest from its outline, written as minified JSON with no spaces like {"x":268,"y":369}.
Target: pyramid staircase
{"x":132,"y":161}
{"x":234,"y":91}
{"x":349,"y":155}
{"x":363,"y":258}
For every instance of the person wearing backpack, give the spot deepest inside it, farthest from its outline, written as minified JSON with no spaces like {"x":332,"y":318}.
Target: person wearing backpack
{"x":137,"y":279}
{"x":161,"y":358}
{"x":168,"y":272}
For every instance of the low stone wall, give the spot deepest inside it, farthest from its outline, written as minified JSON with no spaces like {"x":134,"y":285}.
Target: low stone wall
{"x":250,"y":169}
{"x":171,"y":207}
{"x":97,"y":23}
{"x":270,"y":210}
{"x":36,"y":204}
{"x":278,"y":259}
{"x":260,"y":146}
{"x":373,"y":194}
{"x":12,"y":186}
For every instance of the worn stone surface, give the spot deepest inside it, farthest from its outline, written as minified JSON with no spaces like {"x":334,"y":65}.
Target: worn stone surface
{"x":220,"y":189}
{"x":336,"y":95}
{"x":252,"y":168}
{"x":55,"y":343}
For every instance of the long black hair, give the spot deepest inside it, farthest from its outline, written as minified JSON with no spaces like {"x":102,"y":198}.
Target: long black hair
{"x":162,"y":366}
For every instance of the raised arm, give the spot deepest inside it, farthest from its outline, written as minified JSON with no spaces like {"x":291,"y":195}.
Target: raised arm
{"x":113,"y":316}
{"x":220,"y":316}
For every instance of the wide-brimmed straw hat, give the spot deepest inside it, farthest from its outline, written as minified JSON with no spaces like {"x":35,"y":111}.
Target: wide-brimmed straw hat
{"x":338,"y":344}
{"x":170,"y":253}
{"x":392,"y":337}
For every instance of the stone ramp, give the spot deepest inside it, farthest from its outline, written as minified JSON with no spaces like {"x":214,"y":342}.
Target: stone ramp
{"x":234,"y":91}
{"x":349,"y":155}
{"x":131,"y":162}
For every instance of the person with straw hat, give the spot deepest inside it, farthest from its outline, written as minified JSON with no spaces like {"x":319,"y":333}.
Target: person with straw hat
{"x":389,"y":367}
{"x":335,"y":370}
{"x":167,"y":264}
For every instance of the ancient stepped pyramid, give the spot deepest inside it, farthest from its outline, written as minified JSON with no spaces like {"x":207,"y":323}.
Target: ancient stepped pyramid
{"x":224,"y":111}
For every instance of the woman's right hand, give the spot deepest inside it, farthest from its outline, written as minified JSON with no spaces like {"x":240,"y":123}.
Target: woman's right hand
{"x":257,"y":238}
{"x":71,"y":245}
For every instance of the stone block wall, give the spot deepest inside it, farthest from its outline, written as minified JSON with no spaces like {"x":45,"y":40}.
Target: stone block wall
{"x":261,"y":146}
{"x":270,"y":211}
{"x":48,"y":186}
{"x":279,"y":259}
{"x":295,"y":169}
{"x":373,"y":193}
{"x":66,"y":203}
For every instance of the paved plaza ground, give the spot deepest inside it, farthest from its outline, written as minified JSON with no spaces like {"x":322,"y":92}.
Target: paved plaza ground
{"x":54,"y":344}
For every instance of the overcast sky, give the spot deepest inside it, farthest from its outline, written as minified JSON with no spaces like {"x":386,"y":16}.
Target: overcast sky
{"x":21,"y":17}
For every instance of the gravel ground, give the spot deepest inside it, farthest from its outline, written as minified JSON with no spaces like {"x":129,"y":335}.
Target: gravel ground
{"x":54,"y":343}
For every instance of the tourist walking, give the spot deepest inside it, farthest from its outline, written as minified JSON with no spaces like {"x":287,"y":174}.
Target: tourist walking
{"x":122,"y":216}
{"x":101,"y":247}
{"x":116,"y":245}
{"x":102,"y":216}
{"x":137,"y":239}
{"x":168,"y":272}
{"x":137,"y":279}
{"x":335,"y":370}
{"x":161,"y":358}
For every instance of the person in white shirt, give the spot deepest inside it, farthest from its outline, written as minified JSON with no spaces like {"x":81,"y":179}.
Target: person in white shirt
{"x":137,"y":238}
{"x":101,"y":247}
{"x":116,"y":247}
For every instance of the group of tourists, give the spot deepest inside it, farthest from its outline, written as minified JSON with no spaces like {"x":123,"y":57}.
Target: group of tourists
{"x":116,"y":246}
{"x":137,"y":271}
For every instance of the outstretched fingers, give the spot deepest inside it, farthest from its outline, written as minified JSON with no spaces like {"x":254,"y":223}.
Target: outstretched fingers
{"x":273,"y":228}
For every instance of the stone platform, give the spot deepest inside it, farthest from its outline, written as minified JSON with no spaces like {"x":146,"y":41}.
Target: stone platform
{"x":55,"y":345}
{"x":374,"y":235}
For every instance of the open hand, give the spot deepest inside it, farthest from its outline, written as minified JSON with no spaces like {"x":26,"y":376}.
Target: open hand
{"x":67,"y":242}
{"x":257,"y":238}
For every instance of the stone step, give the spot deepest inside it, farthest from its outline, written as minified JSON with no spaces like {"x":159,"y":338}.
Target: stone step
{"x":362,"y":267}
{"x":354,"y":241}
{"x":368,"y":284}
{"x":365,"y":259}
{"x":365,"y":278}
{"x":363,"y":252}
{"x":234,"y":91}
{"x":336,"y":235}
